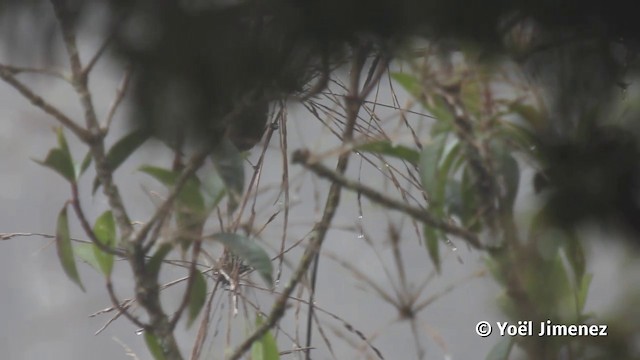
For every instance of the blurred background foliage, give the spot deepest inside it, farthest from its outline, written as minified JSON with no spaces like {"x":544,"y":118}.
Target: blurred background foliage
{"x":208,"y":71}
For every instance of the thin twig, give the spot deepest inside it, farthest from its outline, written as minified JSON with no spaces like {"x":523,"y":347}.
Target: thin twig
{"x":7,"y":75}
{"x":194,"y":164}
{"x":304,"y":157}
{"x":190,"y":281}
{"x":120,"y":93}
{"x":354,"y":101}
{"x":75,"y":201}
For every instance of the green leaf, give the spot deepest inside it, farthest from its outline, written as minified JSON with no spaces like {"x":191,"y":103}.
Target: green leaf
{"x":446,"y":170}
{"x":575,"y":254}
{"x":250,"y":252}
{"x":86,"y":252}
{"x":197,"y":297}
{"x":229,"y":164}
{"x":105,"y":231}
{"x":530,"y":114}
{"x":191,"y":213}
{"x":508,"y":168}
{"x":409,"y":82}
{"x":583,"y":291}
{"x":154,"y":346}
{"x":122,"y":149}
{"x":65,"y":251}
{"x":438,"y":107}
{"x":429,"y":166}
{"x":266,"y":347}
{"x":432,"y":240}
{"x":156,"y":260}
{"x":214,"y":190}
{"x":385,"y":147}
{"x":84,"y":165}
{"x":60,"y":161}
{"x":471,"y":93}
{"x":501,"y":350}
{"x":469,"y":202}
{"x":189,"y":196}
{"x":62,"y":141}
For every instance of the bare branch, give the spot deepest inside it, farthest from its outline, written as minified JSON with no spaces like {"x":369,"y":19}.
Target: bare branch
{"x":7,"y":75}
{"x":304,"y":157}
{"x":120,"y":93}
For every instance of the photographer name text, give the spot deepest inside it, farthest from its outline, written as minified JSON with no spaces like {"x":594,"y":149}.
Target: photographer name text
{"x":542,"y":329}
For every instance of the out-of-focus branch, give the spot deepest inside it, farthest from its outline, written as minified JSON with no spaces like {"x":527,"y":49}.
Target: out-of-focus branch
{"x":353,"y":102}
{"x":8,"y":76}
{"x":120,"y":93}
{"x":79,"y":80}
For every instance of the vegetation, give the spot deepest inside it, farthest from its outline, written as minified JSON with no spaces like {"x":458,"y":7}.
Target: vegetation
{"x":452,"y":163}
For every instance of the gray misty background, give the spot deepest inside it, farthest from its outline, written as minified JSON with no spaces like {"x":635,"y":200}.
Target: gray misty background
{"x":44,"y":316}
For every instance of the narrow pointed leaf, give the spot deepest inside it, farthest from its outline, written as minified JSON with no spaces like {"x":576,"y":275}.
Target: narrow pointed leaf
{"x":197,"y":297}
{"x":583,"y":291}
{"x":429,"y":166}
{"x":122,"y":149}
{"x":409,"y":82}
{"x":60,"y":162}
{"x":266,"y":347}
{"x":62,"y":141}
{"x":432,"y":240}
{"x":65,"y":251}
{"x":84,"y":165}
{"x":250,"y":252}
{"x":87,"y":253}
{"x":385,"y":147}
{"x":228,"y":162}
{"x":214,"y":190}
{"x":575,"y":254}
{"x":105,"y":231}
{"x":155,"y":262}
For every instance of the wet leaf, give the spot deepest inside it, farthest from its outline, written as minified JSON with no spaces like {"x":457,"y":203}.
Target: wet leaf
{"x":105,"y":231}
{"x":250,"y":252}
{"x":385,"y":147}
{"x":266,"y":347}
{"x":65,"y":251}
{"x":197,"y":297}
